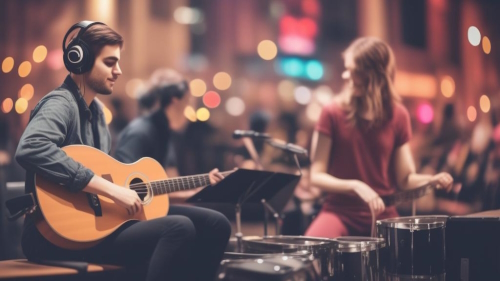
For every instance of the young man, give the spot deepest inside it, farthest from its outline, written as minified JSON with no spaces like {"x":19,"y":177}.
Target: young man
{"x":71,"y":115}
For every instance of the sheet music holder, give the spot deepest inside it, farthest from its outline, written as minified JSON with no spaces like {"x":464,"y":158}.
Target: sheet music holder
{"x":249,"y":186}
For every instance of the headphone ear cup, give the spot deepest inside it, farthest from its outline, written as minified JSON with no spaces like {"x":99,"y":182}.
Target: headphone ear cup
{"x":77,"y":58}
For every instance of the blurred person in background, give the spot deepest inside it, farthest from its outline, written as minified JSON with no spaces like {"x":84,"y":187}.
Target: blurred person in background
{"x":360,"y":147}
{"x":151,"y":135}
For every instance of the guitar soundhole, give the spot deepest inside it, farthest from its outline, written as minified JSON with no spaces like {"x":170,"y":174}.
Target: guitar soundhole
{"x":140,"y":187}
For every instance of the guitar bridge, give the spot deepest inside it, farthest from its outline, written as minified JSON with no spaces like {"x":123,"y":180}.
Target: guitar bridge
{"x":95,"y":204}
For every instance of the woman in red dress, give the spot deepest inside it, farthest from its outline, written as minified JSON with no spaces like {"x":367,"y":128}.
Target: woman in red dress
{"x":361,"y":146}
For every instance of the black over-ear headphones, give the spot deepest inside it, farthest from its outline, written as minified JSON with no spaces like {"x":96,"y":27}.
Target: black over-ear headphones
{"x":78,"y":57}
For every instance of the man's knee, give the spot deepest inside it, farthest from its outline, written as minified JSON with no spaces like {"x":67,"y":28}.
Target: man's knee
{"x":220,"y":223}
{"x":179,"y":226}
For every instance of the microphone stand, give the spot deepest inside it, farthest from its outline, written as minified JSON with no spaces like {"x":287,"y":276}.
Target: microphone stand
{"x":287,"y":147}
{"x":267,"y":207}
{"x":248,"y":142}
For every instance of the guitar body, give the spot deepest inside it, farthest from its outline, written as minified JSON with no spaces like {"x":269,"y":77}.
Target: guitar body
{"x":67,"y":219}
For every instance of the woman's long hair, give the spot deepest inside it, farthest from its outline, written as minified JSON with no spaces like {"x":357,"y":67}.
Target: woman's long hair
{"x":375,"y":63}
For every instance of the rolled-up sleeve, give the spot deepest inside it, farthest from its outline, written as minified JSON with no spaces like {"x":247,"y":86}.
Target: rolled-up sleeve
{"x":39,"y":149}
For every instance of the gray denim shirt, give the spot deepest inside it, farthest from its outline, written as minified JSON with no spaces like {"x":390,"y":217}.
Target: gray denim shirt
{"x":59,"y":119}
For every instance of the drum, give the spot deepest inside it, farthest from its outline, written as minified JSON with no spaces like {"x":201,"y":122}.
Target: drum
{"x":228,"y":256}
{"x":358,"y":258}
{"x":415,"y":246}
{"x":271,"y":268}
{"x":320,"y":249}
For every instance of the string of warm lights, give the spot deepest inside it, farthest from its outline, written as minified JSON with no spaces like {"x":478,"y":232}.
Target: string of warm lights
{"x":27,"y":91}
{"x":474,"y":37}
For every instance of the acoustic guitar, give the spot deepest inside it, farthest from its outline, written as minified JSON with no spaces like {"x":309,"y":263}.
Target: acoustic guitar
{"x":81,"y":220}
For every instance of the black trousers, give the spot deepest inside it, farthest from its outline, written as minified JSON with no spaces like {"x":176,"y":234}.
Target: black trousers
{"x":187,"y":244}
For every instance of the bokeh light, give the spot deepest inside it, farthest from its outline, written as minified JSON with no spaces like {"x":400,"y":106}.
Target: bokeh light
{"x":202,"y":114}
{"x":27,"y":92}
{"x":7,"y":105}
{"x":7,"y":64}
{"x":447,"y":86}
{"x":187,"y":15}
{"x":484,"y":103}
{"x":324,"y":94}
{"x":425,"y":113}
{"x":302,"y":95}
{"x":313,"y":111}
{"x":135,"y":87}
{"x":24,"y":69}
{"x":474,"y":36}
{"x":21,"y":105}
{"x":267,"y":50}
{"x":471,"y":113}
{"x":293,"y":67}
{"x":314,"y":70}
{"x":197,"y":87}
{"x":486,"y":45}
{"x":222,"y":81}
{"x":190,"y":113}
{"x":39,"y":54}
{"x":55,"y":59}
{"x":211,"y":99}
{"x":108,"y":116}
{"x":286,"y":89}
{"x":235,"y":106}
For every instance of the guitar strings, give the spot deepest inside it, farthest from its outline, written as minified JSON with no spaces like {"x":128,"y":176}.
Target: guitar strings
{"x":183,"y":179}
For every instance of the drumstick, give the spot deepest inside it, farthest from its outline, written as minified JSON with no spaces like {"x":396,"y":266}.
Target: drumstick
{"x":407,"y":195}
{"x":374,"y":219}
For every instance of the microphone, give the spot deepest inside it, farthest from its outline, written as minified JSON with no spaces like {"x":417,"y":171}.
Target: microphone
{"x":296,"y":148}
{"x":290,"y":147}
{"x":238,"y":134}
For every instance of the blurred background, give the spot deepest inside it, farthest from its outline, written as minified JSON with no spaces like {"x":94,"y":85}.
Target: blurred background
{"x":270,"y":66}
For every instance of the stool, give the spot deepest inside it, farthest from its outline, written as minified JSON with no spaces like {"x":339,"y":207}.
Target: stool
{"x":24,"y":270}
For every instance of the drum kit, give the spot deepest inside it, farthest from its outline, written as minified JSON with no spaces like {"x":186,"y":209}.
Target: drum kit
{"x":405,"y":248}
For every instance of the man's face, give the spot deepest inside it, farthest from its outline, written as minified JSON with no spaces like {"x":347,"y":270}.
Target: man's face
{"x":105,"y":71}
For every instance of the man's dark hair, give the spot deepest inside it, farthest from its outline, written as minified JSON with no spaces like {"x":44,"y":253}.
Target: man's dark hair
{"x":100,"y":35}
{"x":166,"y":92}
{"x":164,"y":85}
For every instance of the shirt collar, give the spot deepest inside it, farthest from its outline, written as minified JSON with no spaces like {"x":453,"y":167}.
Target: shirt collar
{"x":70,"y":85}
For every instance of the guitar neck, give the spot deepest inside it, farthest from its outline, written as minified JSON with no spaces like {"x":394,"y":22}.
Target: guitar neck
{"x":182,"y":183}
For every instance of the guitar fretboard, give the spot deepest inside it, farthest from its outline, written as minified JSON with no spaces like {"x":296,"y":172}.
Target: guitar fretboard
{"x":181,"y":183}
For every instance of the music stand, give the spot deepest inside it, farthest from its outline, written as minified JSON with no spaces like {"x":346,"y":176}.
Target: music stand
{"x":249,"y":186}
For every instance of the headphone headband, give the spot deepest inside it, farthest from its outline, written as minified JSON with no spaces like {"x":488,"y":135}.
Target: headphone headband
{"x":84,"y":56}
{"x":83,"y":25}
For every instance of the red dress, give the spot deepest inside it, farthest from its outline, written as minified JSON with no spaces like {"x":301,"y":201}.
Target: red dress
{"x":361,"y":153}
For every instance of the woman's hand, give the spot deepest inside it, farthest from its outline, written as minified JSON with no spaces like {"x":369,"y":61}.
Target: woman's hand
{"x":442,"y":181}
{"x":215,"y":176}
{"x":368,"y":195}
